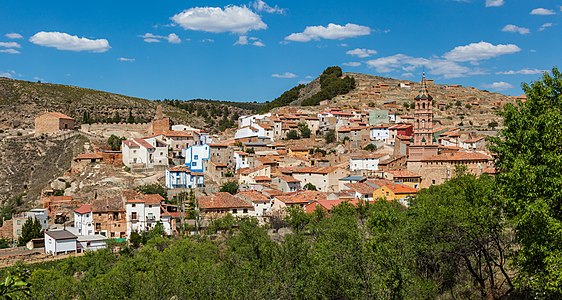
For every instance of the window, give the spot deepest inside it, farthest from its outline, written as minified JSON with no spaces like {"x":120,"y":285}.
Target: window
{"x":194,"y":164}
{"x":245,"y":210}
{"x":19,"y":222}
{"x":195,"y":156}
{"x":234,"y":211}
{"x":150,"y":206}
{"x":133,"y":205}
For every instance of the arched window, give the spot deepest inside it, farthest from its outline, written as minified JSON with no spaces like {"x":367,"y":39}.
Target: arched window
{"x":423,"y":105}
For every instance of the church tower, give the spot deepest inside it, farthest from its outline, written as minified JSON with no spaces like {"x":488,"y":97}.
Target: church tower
{"x":424,"y":144}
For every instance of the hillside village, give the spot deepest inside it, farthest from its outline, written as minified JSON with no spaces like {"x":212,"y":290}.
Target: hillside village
{"x":308,"y":158}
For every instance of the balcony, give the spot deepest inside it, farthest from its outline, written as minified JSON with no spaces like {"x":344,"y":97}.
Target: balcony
{"x":150,"y":218}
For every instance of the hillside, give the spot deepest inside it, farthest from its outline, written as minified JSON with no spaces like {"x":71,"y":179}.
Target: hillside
{"x":22,"y":101}
{"x":454,"y":105}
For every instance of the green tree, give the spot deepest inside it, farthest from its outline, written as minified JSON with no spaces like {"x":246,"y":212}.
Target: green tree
{"x":154,"y":188}
{"x":15,"y":286}
{"x":114,"y":142}
{"x":293,"y":135}
{"x":310,"y":187}
{"x":230,"y":187}
{"x":31,"y":229}
{"x":461,"y":237}
{"x":305,"y":132}
{"x":529,"y":161}
{"x":330,"y":136}
{"x":130,"y":118}
{"x":370,"y":147}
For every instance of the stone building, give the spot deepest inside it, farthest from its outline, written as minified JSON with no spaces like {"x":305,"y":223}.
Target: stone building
{"x":159,"y":124}
{"x":53,"y":122}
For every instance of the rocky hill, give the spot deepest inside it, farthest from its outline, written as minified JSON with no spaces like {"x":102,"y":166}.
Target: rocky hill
{"x":22,"y":101}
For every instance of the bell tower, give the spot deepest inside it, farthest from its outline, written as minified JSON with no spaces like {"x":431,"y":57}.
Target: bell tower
{"x":423,"y":145}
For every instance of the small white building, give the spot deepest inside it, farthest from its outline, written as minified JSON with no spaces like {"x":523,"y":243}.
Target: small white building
{"x":59,"y":242}
{"x":91,"y":242}
{"x":84,"y":220}
{"x":142,"y":153}
{"x":195,"y":157}
{"x":181,"y":177}
{"x":241,"y":160}
{"x":251,"y":120}
{"x":379,"y":133}
{"x":367,"y":163}
{"x":143,"y":213}
{"x":41,"y":214}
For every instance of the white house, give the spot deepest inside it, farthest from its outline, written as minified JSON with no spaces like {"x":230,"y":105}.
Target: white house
{"x":325,"y":179}
{"x":195,"y":157}
{"x":251,"y":120}
{"x":143,"y":213}
{"x":182,"y":177}
{"x":379,"y":133}
{"x":138,"y":152}
{"x":91,"y":242}
{"x":255,"y":131}
{"x":84,"y":220}
{"x":262,"y":203}
{"x":41,"y":214}
{"x":367,"y":163}
{"x":241,"y":160}
{"x":59,"y":242}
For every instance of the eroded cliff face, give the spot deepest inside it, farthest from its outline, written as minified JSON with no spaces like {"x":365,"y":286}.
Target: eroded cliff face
{"x":28,"y":165}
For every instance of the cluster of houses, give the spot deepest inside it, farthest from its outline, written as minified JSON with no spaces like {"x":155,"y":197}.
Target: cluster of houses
{"x":274,"y":168}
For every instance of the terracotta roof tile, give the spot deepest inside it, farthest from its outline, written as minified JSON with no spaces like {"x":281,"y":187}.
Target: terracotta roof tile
{"x":84,"y":209}
{"x":222,"y":200}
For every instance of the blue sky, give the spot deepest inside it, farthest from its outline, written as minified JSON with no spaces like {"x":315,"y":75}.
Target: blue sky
{"x":253,"y":51}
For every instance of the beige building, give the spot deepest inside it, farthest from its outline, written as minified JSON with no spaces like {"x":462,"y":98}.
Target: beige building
{"x":325,"y":179}
{"x":53,"y":122}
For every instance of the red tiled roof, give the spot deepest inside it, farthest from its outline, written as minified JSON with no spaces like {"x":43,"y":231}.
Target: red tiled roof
{"x":475,"y":140}
{"x":247,"y":171}
{"x":147,"y":199}
{"x":143,"y":143}
{"x":84,"y":209}
{"x":459,"y":156}
{"x":301,"y":197}
{"x":262,"y":178}
{"x":174,"y":133}
{"x":326,"y":204}
{"x":222,"y":200}
{"x":289,"y":179}
{"x":402,"y":173}
{"x":361,"y":188}
{"x":253,"y":196}
{"x":396,"y":188}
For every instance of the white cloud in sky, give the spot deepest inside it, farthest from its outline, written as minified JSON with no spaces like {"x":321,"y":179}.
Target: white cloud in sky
{"x":515,"y":28}
{"x":236,"y":19}
{"x":9,"y":45}
{"x":258,"y":44}
{"x":545,"y":26}
{"x":498,"y":86}
{"x":494,"y":3}
{"x":407,"y":75}
{"x":65,"y":41}
{"x":126,"y":59}
{"x":14,"y":35}
{"x":287,"y":75}
{"x":207,"y":41}
{"x":10,"y":51}
{"x":152,"y":38}
{"x":261,"y":6}
{"x":480,"y":51}
{"x":522,"y":72}
{"x":242,"y":40}
{"x":361,"y":52}
{"x":9,"y":74}
{"x":542,"y":12}
{"x":352,"y":64}
{"x":245,"y":40}
{"x":330,"y":32}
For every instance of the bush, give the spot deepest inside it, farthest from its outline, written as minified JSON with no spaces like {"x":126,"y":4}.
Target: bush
{"x":155,"y":188}
{"x":293,"y":135}
{"x":230,"y":187}
{"x":370,"y":147}
{"x":330,"y":136}
{"x":114,"y":142}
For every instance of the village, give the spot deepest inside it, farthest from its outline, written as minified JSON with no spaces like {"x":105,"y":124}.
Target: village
{"x":269,"y":163}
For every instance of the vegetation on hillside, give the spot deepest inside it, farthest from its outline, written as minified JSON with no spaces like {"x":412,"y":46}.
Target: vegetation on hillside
{"x":331,"y":85}
{"x":285,"y":99}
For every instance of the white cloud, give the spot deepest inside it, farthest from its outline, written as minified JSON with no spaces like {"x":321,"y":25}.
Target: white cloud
{"x":245,"y":40}
{"x":331,"y":32}
{"x":65,"y":41}
{"x":352,"y":64}
{"x":498,"y":86}
{"x":14,"y":35}
{"x":173,"y":38}
{"x":261,"y":6}
{"x":5,"y":74}
{"x":242,"y":40}
{"x":361,"y":52}
{"x":10,"y":51}
{"x":126,"y":59}
{"x":522,"y":72}
{"x":284,"y":75}
{"x":152,"y":38}
{"x":343,"y":45}
{"x":407,"y":75}
{"x":207,"y":41}
{"x":10,"y":45}
{"x":545,"y":26}
{"x":515,"y":28}
{"x":237,"y":19}
{"x":480,"y":51}
{"x":435,"y":66}
{"x":494,"y":3}
{"x":542,"y":12}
